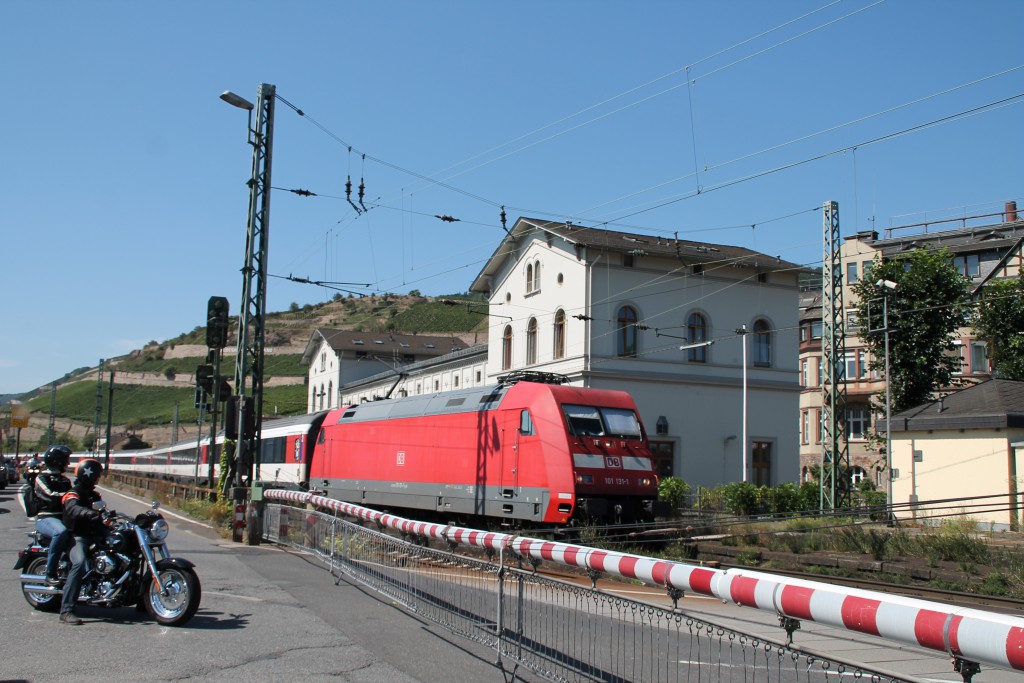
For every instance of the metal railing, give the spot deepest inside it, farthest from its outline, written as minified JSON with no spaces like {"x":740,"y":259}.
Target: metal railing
{"x":558,"y":630}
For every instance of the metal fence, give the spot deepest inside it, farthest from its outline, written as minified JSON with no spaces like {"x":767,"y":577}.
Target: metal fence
{"x":558,"y":630}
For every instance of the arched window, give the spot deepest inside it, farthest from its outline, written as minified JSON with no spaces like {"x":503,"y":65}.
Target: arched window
{"x":697,"y":332}
{"x":330,"y":393}
{"x":506,"y":348}
{"x":529,"y":278}
{"x":536,"y":276}
{"x":559,"y":347}
{"x":321,"y":397}
{"x":626,"y":338}
{"x":531,"y":341}
{"x":762,"y":344}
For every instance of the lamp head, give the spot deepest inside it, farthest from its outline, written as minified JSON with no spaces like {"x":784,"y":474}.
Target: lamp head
{"x":889,"y":284}
{"x":237,"y":100}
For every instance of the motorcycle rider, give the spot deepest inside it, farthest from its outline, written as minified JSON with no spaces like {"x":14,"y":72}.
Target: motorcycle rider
{"x":85,"y":524}
{"x":50,"y":486}
{"x":32,"y":469}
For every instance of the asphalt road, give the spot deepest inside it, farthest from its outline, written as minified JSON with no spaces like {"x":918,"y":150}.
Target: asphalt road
{"x":266,"y":615}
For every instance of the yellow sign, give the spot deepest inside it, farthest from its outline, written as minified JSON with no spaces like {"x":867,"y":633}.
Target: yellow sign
{"x":19,"y":416}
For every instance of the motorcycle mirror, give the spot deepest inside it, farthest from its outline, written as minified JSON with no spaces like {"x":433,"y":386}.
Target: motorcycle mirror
{"x":156,"y":504}
{"x":99,"y":505}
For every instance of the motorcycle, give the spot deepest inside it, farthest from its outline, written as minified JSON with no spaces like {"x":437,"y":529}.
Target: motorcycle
{"x":130,"y":565}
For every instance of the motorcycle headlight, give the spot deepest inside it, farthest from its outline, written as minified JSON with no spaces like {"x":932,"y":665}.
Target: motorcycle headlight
{"x":159,"y":529}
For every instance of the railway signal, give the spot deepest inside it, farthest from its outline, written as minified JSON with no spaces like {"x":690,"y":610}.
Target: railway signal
{"x":217,"y":322}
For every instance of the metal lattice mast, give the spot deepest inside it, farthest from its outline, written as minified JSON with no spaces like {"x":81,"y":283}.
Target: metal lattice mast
{"x":249,"y":356}
{"x":835,"y":456}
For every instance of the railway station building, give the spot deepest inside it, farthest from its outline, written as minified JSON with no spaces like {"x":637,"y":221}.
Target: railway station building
{"x":339,"y":357}
{"x":611,"y":310}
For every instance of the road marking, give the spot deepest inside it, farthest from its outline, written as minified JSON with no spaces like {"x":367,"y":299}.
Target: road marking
{"x":232,"y":595}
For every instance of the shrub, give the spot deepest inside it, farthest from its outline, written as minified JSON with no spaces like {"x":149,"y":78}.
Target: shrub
{"x":785,"y":498}
{"x":742,"y":498}
{"x":673,"y":490}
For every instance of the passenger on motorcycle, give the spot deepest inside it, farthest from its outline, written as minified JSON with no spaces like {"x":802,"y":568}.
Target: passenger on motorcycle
{"x":50,"y":486}
{"x":85,"y":524}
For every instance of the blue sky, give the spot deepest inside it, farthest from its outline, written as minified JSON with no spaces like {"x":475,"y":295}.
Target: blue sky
{"x":122,"y":175}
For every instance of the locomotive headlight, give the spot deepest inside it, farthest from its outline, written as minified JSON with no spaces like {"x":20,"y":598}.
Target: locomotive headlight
{"x":158,"y":531}
{"x":646,"y":481}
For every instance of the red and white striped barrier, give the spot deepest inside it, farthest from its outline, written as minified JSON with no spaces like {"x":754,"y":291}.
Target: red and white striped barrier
{"x":972,"y":634}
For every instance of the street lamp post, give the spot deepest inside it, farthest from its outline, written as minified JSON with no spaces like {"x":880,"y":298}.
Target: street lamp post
{"x":887,"y":286}
{"x":742,"y":332}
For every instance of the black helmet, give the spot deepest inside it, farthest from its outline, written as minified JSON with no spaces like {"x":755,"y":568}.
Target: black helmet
{"x":89,"y":471}
{"x":57,"y":457}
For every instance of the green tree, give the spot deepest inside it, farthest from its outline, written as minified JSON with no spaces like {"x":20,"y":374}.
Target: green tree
{"x":927,"y":307}
{"x":999,"y":320}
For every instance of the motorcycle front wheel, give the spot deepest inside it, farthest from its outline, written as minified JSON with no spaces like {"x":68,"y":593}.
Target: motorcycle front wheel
{"x":45,"y":602}
{"x":177,"y":598}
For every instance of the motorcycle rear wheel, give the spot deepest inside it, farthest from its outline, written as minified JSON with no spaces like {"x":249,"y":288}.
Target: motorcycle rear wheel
{"x":44,"y":602}
{"x":178,"y":601}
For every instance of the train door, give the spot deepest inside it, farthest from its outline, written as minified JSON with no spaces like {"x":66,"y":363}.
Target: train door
{"x":518,"y":448}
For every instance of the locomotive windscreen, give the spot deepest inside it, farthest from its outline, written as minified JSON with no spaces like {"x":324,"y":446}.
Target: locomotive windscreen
{"x":592,"y":421}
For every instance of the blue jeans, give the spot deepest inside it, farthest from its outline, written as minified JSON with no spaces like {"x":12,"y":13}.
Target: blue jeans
{"x":60,"y":539}
{"x":74,"y":582}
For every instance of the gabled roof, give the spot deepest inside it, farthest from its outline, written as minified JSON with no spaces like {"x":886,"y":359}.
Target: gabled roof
{"x":685,"y":251}
{"x":379,"y":343}
{"x":997,"y":403}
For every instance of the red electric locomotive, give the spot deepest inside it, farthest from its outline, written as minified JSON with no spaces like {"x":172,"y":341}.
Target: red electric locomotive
{"x":521,"y":451}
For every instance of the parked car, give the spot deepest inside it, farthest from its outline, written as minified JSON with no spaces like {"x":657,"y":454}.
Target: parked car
{"x":8,"y":473}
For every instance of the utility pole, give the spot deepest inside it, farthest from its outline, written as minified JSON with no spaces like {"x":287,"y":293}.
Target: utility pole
{"x":50,"y":430}
{"x":249,"y":356}
{"x":110,"y":416}
{"x":99,"y":407}
{"x":174,"y":425}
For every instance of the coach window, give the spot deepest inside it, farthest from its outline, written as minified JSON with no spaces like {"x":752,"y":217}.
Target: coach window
{"x":531,"y":342}
{"x":762,"y":344}
{"x":525,"y":423}
{"x":506,"y":348}
{"x":626,"y":338}
{"x":559,"y":346}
